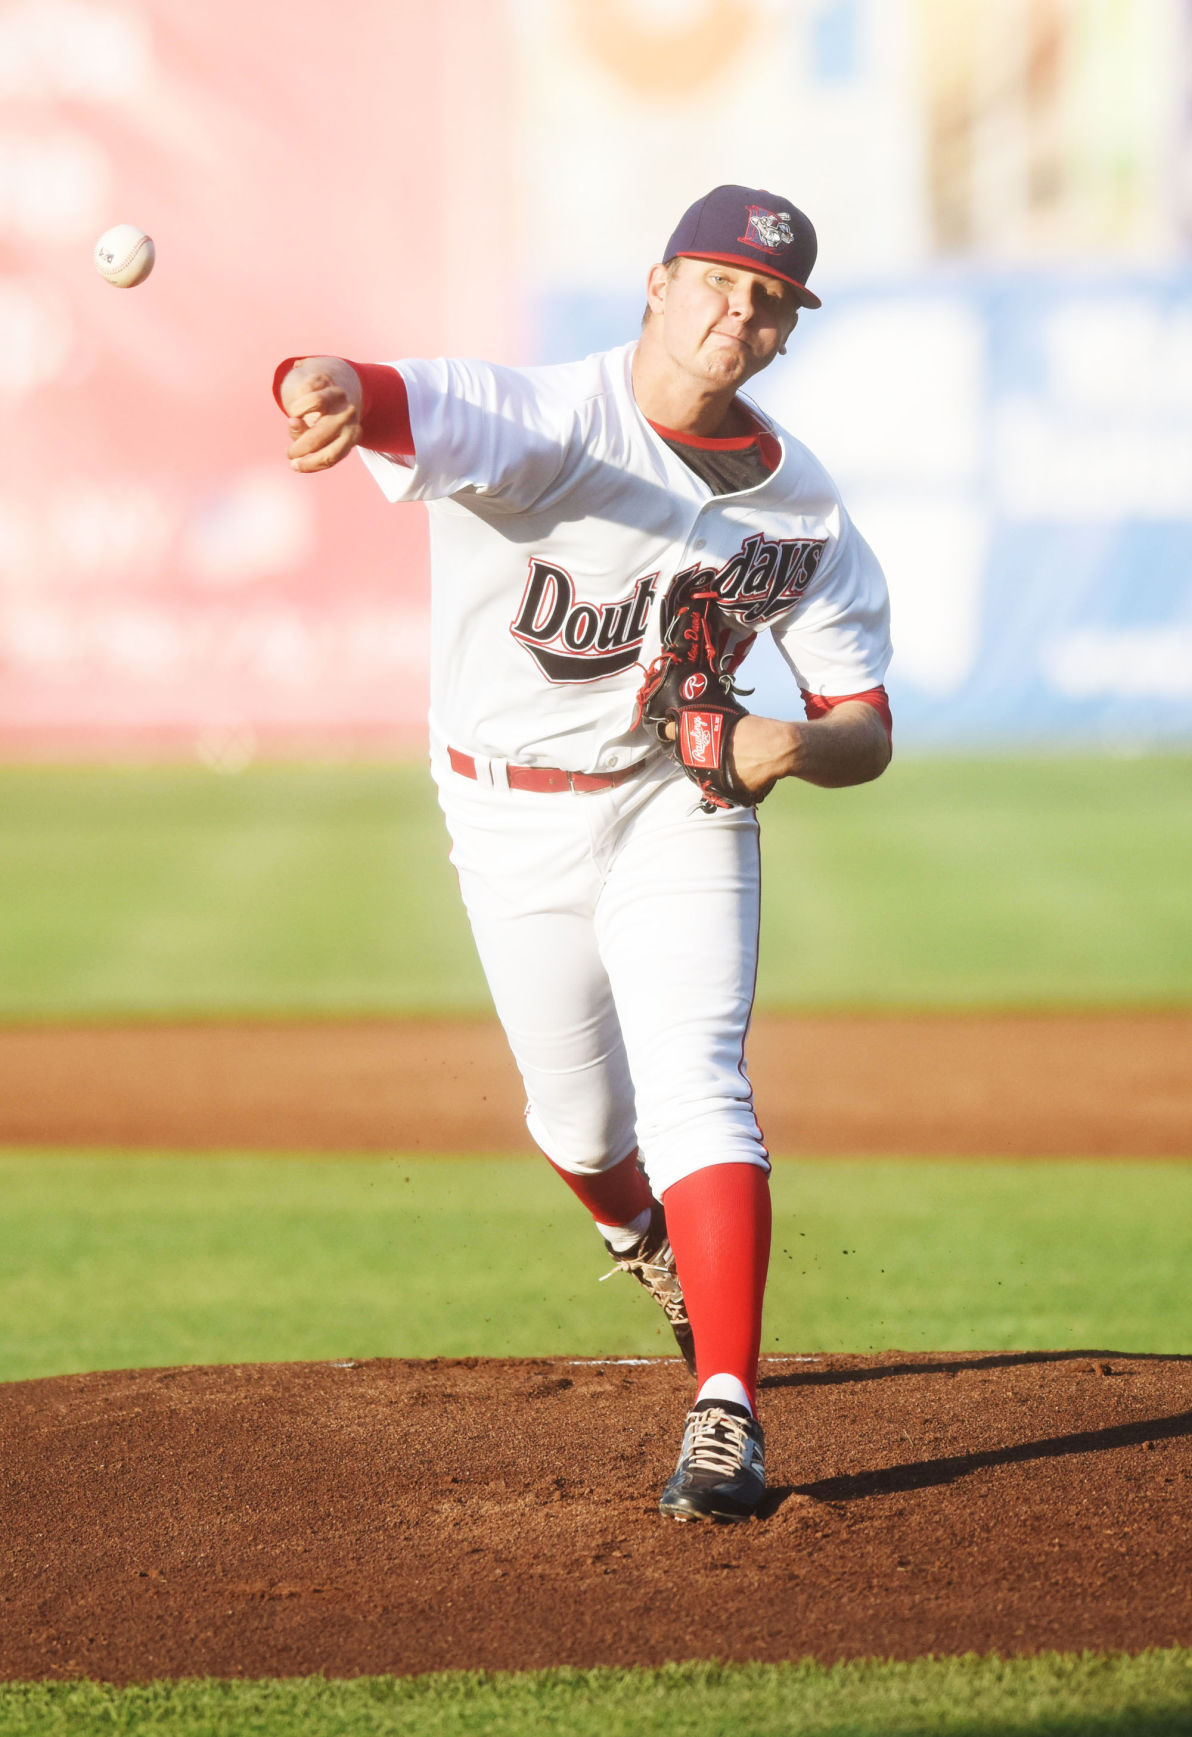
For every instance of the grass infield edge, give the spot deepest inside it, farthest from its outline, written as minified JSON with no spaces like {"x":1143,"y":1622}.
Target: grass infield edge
{"x":1046,"y":1694}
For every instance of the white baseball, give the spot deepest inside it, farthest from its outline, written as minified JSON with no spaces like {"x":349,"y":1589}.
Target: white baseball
{"x":124,"y":255}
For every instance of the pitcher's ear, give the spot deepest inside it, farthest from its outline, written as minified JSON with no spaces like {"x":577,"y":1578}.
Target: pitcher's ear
{"x":789,"y":335}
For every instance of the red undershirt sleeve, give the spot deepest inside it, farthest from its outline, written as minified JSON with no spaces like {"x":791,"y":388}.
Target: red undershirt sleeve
{"x":386,"y":418}
{"x":819,"y":705}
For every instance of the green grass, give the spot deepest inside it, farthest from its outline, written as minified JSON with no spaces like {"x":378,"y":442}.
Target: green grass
{"x":120,"y":1262}
{"x":1052,"y":1695}
{"x":979,"y":883}
{"x":326,"y":889}
{"x":146,"y":890}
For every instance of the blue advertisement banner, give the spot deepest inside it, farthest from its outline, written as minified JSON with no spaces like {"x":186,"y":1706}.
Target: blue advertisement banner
{"x":1017,"y":448}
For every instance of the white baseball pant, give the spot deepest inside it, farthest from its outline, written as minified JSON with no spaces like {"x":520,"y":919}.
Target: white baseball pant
{"x":618,"y":932}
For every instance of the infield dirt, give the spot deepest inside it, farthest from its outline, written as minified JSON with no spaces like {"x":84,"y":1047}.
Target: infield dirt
{"x":1111,"y":1085}
{"x":409,"y":1517}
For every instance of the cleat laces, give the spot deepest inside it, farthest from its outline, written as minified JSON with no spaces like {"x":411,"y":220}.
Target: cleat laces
{"x":660,"y":1279}
{"x":718,"y":1443}
{"x":652,"y":1264}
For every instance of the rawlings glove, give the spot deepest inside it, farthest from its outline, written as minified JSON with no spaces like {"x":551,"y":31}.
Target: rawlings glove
{"x":688,"y":686}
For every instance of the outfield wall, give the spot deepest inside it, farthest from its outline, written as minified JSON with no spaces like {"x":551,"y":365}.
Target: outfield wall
{"x":1017,"y":447}
{"x":1001,"y":376}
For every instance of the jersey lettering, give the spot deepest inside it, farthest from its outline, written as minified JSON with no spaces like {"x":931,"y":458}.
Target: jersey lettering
{"x":573,"y":641}
{"x":765,"y":578}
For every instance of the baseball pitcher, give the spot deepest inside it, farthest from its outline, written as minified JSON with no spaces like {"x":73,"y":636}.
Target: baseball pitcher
{"x":607,"y":539}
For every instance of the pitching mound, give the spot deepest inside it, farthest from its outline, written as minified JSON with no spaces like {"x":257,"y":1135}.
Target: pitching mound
{"x":404,"y":1517}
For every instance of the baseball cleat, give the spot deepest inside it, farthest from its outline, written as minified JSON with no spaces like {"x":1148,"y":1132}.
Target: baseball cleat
{"x":721,"y":1474}
{"x":652,"y":1263}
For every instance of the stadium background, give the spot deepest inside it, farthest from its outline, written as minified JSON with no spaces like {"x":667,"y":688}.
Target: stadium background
{"x":1001,"y":376}
{"x":214,"y":823}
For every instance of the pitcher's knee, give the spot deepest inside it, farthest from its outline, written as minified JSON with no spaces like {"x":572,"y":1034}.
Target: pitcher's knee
{"x":585,"y":1146}
{"x":729,"y":1135}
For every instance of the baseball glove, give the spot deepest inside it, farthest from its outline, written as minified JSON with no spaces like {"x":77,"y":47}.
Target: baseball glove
{"x":688,"y":686}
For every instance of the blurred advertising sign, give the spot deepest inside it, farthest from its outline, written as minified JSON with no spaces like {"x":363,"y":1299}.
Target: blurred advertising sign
{"x":166,"y":582}
{"x":1019,"y":452}
{"x":999,"y":377}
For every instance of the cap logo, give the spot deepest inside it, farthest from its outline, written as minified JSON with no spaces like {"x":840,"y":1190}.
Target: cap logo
{"x":768,"y":229}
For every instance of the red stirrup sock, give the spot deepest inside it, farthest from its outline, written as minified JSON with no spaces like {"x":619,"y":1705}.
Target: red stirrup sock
{"x":719,"y":1225}
{"x":614,"y":1196}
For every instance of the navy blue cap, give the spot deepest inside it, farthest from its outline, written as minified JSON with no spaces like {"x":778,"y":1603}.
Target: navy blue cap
{"x":750,"y":227}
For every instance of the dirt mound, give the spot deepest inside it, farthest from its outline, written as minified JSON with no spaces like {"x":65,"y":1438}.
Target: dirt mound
{"x":1102,"y":1085}
{"x":406,"y":1517}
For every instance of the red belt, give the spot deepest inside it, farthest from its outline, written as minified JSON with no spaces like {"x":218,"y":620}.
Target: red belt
{"x":546,"y":778}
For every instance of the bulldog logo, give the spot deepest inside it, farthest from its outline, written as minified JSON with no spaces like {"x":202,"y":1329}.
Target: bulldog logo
{"x":768,"y":229}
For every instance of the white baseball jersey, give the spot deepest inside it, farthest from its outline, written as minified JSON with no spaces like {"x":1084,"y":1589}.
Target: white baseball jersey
{"x":559,"y":517}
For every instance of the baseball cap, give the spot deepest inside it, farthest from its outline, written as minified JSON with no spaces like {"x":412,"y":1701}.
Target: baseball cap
{"x":750,"y":227}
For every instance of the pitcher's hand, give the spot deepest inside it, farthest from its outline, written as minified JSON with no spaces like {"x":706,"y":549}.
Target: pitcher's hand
{"x":324,"y":400}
